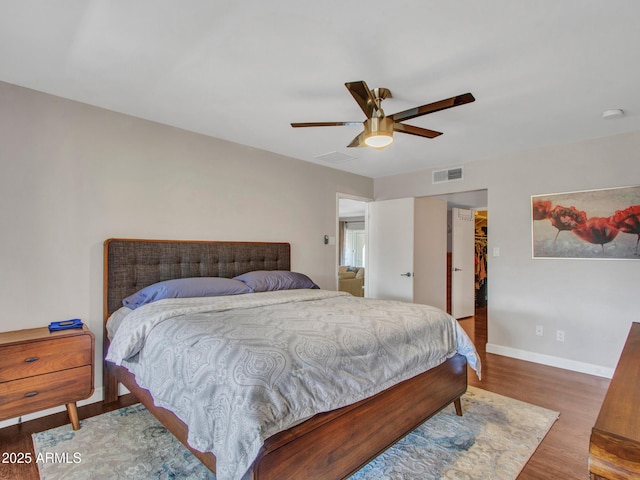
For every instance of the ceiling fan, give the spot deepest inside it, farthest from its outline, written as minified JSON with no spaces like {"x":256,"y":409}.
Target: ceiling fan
{"x":379,"y":128}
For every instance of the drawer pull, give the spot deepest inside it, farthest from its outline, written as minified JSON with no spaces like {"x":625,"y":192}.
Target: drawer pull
{"x":31,"y":394}
{"x":31,"y":359}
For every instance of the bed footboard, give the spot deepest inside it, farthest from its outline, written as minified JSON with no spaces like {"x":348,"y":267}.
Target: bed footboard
{"x":335,"y":444}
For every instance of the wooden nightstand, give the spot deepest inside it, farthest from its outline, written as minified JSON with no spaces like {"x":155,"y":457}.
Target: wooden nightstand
{"x":41,"y":369}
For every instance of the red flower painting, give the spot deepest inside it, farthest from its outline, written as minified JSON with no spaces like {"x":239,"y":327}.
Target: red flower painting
{"x":597,"y":230}
{"x":628,"y":221}
{"x":609,"y":217}
{"x":566,"y":218}
{"x":541,"y":209}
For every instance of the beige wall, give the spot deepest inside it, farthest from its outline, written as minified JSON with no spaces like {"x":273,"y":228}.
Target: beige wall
{"x":430,"y":242}
{"x":73,"y":175}
{"x":593,"y":301}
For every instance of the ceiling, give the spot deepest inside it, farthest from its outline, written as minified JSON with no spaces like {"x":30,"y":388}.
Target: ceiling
{"x":542,"y":72}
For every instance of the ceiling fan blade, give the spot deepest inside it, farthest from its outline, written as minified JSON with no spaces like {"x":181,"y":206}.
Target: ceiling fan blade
{"x":433,"y":107}
{"x":363,"y":96}
{"x":325,"y":124}
{"x":358,"y":141}
{"x":413,"y":130}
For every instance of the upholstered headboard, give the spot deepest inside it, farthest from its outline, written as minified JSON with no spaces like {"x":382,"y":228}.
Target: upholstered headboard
{"x":132,"y":264}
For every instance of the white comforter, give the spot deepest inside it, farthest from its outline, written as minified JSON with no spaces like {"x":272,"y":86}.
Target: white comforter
{"x":238,"y":369}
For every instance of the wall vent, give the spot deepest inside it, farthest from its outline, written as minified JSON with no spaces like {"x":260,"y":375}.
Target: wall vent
{"x":447,"y":175}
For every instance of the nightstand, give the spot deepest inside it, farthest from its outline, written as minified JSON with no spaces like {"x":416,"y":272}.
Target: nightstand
{"x":40,"y":369}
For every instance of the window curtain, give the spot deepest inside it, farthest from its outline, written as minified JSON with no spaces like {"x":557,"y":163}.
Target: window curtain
{"x":353,"y":251}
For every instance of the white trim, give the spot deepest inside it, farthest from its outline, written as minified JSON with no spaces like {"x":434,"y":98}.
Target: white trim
{"x":551,"y":361}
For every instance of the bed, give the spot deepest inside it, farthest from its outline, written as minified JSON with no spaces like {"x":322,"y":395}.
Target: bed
{"x":329,"y":445}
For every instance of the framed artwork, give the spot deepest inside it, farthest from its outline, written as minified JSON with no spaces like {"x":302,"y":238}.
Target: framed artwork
{"x":587,"y":224}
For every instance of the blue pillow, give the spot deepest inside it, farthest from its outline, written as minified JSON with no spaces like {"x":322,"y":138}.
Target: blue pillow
{"x":269,"y":280}
{"x":185,"y":288}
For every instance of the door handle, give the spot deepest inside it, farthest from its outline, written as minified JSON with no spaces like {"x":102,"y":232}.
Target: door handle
{"x":457,"y":269}
{"x":408,"y":274}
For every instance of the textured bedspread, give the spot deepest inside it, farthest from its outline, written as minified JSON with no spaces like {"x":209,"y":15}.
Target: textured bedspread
{"x":238,"y":369}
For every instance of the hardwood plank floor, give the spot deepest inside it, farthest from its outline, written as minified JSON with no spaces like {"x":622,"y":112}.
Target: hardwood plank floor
{"x":563,"y":453}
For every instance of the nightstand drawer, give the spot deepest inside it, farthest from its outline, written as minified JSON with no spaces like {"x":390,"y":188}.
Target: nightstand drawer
{"x":35,"y":358}
{"x":27,"y":395}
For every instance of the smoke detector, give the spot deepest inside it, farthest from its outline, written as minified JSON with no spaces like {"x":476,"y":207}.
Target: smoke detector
{"x":615,"y":113}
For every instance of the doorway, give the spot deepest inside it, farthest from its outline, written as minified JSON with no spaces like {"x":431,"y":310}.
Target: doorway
{"x":480,"y":244}
{"x":351,"y":244}
{"x":475,"y":201}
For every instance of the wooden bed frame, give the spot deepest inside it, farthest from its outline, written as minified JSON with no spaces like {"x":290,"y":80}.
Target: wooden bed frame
{"x":330,"y":445}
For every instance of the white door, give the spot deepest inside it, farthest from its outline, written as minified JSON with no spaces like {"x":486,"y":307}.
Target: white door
{"x":462,"y":263}
{"x":389,"y":272}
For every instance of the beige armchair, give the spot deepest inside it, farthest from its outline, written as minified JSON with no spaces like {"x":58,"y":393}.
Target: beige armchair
{"x":351,"y":280}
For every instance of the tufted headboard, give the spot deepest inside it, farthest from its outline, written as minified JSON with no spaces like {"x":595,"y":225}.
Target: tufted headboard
{"x":132,"y":264}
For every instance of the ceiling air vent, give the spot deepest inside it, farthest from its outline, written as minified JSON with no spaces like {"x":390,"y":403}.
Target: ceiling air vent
{"x":447,"y":175}
{"x":335,"y":157}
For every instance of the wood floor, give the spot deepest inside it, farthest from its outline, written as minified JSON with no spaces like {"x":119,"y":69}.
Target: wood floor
{"x":563,"y":453}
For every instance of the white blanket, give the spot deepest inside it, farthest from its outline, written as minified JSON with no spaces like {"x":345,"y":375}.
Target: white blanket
{"x":238,"y":369}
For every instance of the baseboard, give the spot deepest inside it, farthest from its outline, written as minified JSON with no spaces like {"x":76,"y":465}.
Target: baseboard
{"x":551,"y":361}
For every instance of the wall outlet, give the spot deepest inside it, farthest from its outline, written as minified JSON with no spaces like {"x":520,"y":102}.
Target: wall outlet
{"x":560,"y":335}
{"x":539,"y":330}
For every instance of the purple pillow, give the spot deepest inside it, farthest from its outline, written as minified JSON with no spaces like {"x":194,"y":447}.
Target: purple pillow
{"x":268,"y":280}
{"x":185,"y":288}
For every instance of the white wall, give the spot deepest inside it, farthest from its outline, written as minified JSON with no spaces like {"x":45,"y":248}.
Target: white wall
{"x":593,"y":301}
{"x":72,"y":176}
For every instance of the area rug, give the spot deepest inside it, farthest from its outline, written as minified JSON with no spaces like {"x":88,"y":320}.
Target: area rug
{"x":493,"y":439}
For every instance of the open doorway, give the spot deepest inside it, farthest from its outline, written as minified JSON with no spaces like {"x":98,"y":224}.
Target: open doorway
{"x":477,"y":202}
{"x":480,"y":244}
{"x":474,"y":201}
{"x":351,"y":244}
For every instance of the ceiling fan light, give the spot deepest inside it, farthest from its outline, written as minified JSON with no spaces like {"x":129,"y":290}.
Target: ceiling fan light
{"x":379,"y":141}
{"x":378,"y":132}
